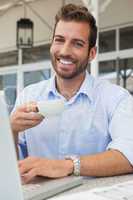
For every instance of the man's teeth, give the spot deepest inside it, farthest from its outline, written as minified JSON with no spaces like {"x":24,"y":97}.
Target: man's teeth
{"x":66,"y":62}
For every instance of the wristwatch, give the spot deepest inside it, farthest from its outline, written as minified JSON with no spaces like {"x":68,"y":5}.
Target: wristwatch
{"x":76,"y":163}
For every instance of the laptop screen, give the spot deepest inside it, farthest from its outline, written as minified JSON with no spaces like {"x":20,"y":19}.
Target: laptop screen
{"x":10,"y":184}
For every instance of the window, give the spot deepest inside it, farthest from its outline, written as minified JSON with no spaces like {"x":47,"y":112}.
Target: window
{"x":126,"y":38}
{"x":126,"y":63}
{"x":8,"y":84}
{"x":36,"y":76}
{"x":107,"y":41}
{"x":107,"y":66}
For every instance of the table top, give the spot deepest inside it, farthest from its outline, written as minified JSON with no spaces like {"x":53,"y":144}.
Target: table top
{"x":91,"y":183}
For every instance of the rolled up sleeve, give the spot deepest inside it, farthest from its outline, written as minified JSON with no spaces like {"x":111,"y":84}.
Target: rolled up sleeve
{"x":121,"y":128}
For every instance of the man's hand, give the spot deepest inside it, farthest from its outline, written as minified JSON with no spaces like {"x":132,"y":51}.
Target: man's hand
{"x":32,"y":167}
{"x":25,"y":117}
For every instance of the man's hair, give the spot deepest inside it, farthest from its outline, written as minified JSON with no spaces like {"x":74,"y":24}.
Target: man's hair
{"x":72,"y":12}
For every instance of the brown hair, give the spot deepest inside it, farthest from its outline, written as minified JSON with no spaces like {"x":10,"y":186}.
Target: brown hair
{"x":71,"y":12}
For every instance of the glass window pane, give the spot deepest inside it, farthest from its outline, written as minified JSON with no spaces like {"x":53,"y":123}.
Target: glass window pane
{"x":107,"y":66}
{"x":36,"y":76}
{"x":126,"y":73}
{"x":107,"y":40}
{"x":126,"y":63}
{"x":126,"y":38}
{"x":8,"y":84}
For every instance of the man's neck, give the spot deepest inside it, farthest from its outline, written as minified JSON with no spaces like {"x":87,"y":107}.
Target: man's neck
{"x":69,"y":87}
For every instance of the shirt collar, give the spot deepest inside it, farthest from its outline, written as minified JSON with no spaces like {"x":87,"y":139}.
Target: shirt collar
{"x":51,"y":88}
{"x":86,"y":87}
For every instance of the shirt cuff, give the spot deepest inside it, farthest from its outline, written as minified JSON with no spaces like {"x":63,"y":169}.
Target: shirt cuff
{"x":125,"y":149}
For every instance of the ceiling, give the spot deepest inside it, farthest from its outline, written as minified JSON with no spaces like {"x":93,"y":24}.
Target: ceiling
{"x":41,"y":12}
{"x":7,"y":4}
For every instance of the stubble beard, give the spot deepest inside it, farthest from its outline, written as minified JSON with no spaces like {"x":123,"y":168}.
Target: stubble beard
{"x":79,"y":69}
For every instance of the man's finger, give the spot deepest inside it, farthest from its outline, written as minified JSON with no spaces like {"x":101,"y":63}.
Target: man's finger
{"x":27,"y":177}
{"x":30,"y":116}
{"x":29,"y":107}
{"x":24,"y":169}
{"x":24,"y":166}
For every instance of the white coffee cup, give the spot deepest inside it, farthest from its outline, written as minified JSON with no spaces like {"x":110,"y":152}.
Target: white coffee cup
{"x":51,"y":107}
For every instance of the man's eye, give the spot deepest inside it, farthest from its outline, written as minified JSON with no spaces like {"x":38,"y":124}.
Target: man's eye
{"x":78,"y":45}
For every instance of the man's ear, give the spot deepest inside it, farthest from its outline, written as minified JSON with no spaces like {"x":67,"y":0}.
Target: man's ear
{"x":92,"y":53}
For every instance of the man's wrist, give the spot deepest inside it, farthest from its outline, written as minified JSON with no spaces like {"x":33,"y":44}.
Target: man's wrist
{"x":76,"y":164}
{"x":70,"y":166}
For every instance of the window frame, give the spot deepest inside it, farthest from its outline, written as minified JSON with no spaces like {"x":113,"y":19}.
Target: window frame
{"x":20,"y":70}
{"x":114,"y":55}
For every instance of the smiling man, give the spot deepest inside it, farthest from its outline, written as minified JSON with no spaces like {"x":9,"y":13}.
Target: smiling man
{"x":93,"y":136}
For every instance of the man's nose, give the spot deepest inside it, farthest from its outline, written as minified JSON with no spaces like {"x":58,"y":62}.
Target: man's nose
{"x":65,"y":49}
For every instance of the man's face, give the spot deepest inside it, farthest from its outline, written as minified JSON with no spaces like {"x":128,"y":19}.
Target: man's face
{"x":70,"y":48}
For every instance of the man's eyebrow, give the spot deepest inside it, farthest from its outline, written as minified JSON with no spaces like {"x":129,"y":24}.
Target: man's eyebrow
{"x":60,"y":36}
{"x":74,"y":39}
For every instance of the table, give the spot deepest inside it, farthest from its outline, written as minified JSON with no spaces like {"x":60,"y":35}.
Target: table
{"x":91,"y":183}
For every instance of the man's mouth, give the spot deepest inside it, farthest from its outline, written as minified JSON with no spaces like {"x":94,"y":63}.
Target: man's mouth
{"x":66,"y":62}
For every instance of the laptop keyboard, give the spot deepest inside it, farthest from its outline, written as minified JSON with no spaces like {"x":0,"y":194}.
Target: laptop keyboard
{"x":30,"y":187}
{"x":34,"y":186}
{"x":49,"y":187}
{"x":32,"y":190}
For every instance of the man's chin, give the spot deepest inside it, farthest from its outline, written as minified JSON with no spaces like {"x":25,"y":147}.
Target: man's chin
{"x":67,"y":76}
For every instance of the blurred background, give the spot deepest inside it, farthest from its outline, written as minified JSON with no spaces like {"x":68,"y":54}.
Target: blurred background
{"x":26,"y":28}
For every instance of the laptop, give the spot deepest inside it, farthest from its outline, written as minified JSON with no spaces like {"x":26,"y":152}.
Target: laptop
{"x":10,"y":182}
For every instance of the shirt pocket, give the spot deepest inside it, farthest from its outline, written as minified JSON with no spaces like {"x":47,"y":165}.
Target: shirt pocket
{"x":87,"y":138}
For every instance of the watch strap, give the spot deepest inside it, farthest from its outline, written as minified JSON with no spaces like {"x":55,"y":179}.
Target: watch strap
{"x":76,"y":164}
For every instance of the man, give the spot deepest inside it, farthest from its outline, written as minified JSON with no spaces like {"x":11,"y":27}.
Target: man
{"x":93,"y":136}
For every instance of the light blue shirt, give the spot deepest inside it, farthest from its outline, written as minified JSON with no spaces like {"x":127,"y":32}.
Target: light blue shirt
{"x":97,"y":118}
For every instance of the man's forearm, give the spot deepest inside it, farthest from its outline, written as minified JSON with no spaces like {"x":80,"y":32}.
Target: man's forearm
{"x":108,"y":163}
